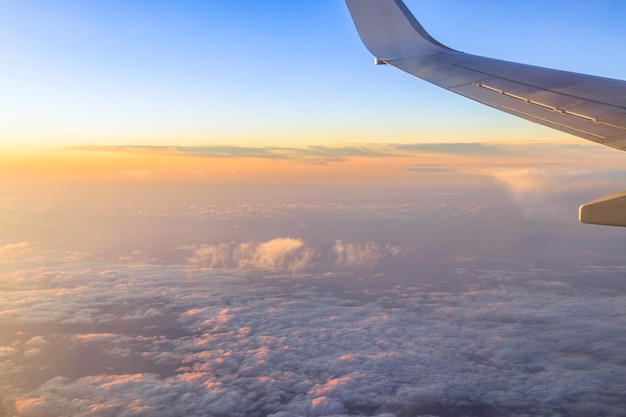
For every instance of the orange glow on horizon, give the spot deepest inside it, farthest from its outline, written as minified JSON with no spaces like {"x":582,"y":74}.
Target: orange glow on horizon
{"x":358,"y":163}
{"x":84,"y":166}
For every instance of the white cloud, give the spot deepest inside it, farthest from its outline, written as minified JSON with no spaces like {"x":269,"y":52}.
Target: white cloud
{"x":7,"y":351}
{"x":552,"y":192}
{"x":149,"y":313}
{"x":277,"y":254}
{"x":36,"y":341}
{"x":292,"y":255}
{"x":96,"y":337}
{"x":502,"y":343}
{"x":29,"y":353}
{"x":14,"y":251}
{"x":362,"y":255}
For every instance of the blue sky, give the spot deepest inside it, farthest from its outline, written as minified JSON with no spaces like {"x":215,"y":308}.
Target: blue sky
{"x":217,"y":72}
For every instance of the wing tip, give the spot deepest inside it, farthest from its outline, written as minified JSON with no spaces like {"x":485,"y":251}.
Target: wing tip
{"x":390,"y":31}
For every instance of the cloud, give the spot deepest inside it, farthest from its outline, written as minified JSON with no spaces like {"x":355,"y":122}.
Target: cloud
{"x":362,"y":255}
{"x":96,"y":337}
{"x":428,"y":169}
{"x":455,"y":148}
{"x":293,"y":255}
{"x":229,"y":343}
{"x":14,"y":251}
{"x":36,"y":341}
{"x":310,"y":154}
{"x":29,"y":353}
{"x":7,"y":351}
{"x":276,"y":254}
{"x":328,"y":154}
{"x":549,"y":191}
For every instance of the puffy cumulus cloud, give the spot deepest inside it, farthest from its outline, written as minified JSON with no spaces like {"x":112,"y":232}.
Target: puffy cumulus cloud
{"x":92,"y":396}
{"x":502,"y":343}
{"x":36,"y":341}
{"x":362,"y":255}
{"x":323,"y":406}
{"x":292,"y":255}
{"x":276,"y":254}
{"x":29,"y":353}
{"x":7,"y":351}
{"x":13,"y":251}
{"x":40,"y":295}
{"x":149,"y":313}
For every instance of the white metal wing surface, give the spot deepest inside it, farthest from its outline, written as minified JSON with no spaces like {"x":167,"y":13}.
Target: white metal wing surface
{"x":587,"y":106}
{"x":590,"y":107}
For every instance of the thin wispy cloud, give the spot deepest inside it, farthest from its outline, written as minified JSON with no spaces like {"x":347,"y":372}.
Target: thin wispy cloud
{"x":455,"y":148}
{"x":429,"y":168}
{"x":319,"y":154}
{"x":310,"y":154}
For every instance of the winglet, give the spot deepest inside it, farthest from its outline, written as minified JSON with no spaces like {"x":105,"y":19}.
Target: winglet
{"x":389,"y":30}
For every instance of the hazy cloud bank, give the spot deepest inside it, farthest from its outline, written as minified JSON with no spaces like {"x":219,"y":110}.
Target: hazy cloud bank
{"x":549,"y":192}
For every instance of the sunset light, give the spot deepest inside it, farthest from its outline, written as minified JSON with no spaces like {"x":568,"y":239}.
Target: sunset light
{"x":223,"y":208}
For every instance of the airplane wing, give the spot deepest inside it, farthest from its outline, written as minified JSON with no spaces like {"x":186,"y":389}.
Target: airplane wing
{"x":590,"y":107}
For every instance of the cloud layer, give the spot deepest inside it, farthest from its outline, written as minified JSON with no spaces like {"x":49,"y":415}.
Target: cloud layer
{"x":103,"y":339}
{"x":431,"y":290}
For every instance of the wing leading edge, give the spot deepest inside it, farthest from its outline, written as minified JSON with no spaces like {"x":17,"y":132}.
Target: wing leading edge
{"x":590,"y":107}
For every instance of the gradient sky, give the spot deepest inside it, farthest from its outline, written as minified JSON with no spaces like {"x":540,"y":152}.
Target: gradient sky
{"x":250,"y":72}
{"x":224,"y":208}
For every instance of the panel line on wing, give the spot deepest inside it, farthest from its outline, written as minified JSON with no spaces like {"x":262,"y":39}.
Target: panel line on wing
{"x":561,"y":125}
{"x":529,"y":84}
{"x":548,"y":106}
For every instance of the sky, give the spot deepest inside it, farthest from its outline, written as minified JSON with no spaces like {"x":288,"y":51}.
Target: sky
{"x":223,"y":208}
{"x":248,"y":72}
